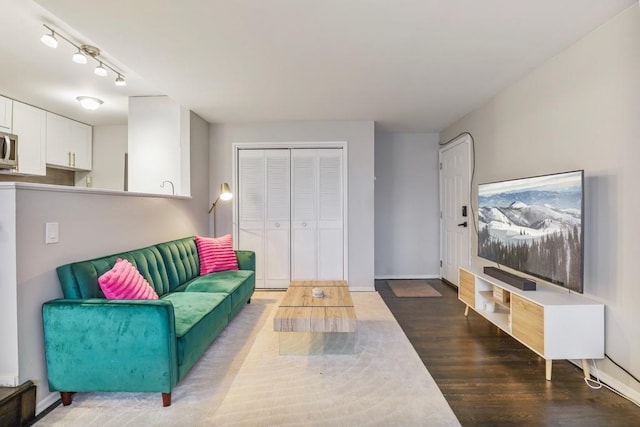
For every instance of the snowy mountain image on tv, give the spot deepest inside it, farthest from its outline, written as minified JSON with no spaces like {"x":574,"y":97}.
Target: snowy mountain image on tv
{"x":534,"y":225}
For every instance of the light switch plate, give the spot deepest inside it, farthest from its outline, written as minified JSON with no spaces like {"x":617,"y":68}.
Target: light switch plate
{"x":51,"y":233}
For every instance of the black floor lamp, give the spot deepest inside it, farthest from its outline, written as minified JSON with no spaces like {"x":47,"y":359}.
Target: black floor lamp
{"x":224,"y":195}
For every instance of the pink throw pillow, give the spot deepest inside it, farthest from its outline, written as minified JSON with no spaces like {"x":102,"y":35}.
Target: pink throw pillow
{"x":216,"y":254}
{"x":124,"y":281}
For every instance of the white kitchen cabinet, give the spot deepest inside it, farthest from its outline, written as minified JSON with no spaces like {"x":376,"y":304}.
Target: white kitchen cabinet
{"x":6,"y":111}
{"x":81,"y":145}
{"x":68,"y":143}
{"x":29,"y":123}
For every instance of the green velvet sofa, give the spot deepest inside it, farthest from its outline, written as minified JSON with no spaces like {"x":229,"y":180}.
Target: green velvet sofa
{"x":96,"y":344}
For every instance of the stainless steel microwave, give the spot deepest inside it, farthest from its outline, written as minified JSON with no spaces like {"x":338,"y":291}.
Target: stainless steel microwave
{"x":8,"y":151}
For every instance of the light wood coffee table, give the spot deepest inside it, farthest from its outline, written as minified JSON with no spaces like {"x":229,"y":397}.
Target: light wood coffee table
{"x":310,"y":325}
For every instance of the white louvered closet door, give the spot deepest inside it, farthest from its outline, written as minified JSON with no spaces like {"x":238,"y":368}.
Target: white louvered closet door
{"x":264,"y":211}
{"x":317,"y":240}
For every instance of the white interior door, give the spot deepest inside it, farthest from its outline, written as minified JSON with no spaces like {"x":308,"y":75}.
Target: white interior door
{"x":251,"y":207}
{"x":304,"y":224}
{"x":317,"y":215}
{"x":330,"y":215}
{"x":277,"y":224}
{"x":455,"y":209}
{"x":264,"y":224}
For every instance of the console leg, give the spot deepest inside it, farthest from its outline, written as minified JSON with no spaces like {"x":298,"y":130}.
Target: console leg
{"x":585,"y":368}
{"x":166,"y":399}
{"x":466,"y":311}
{"x":548,"y":364}
{"x":66,"y":397}
{"x":249,"y":301}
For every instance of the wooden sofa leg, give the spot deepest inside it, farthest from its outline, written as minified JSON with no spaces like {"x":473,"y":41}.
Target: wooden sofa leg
{"x":66,"y":397}
{"x":166,"y":399}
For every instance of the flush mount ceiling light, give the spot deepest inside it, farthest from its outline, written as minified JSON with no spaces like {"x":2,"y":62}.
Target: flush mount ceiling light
{"x":83,"y":54}
{"x":89,"y":102}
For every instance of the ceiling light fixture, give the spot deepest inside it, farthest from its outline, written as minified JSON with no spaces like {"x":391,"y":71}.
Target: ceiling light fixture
{"x":89,"y":102}
{"x":100,"y":71}
{"x":49,"y":39}
{"x":84,"y":52}
{"x":79,"y":57}
{"x":120,"y":81}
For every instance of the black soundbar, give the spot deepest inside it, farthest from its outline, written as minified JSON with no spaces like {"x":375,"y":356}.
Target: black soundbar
{"x":510,"y":278}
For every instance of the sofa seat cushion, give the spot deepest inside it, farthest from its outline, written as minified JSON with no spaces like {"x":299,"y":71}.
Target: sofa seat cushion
{"x":222,"y":281}
{"x":237,"y":283}
{"x":199,"y":318}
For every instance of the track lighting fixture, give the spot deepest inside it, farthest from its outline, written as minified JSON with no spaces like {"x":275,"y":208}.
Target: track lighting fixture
{"x":89,"y":102}
{"x":82,"y":56}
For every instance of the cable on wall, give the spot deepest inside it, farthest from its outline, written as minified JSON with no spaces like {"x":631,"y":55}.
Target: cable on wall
{"x":473,"y":172}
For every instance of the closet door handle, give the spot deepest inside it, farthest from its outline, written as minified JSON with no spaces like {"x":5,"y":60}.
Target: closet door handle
{"x":277,"y":225}
{"x":304,"y":224}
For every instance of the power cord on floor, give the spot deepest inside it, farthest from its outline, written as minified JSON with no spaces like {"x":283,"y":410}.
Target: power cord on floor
{"x":597,"y":384}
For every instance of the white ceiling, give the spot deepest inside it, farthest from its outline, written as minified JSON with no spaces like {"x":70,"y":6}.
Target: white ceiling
{"x":409,"y":65}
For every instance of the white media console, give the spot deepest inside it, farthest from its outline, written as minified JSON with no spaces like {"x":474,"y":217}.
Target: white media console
{"x":551,"y":321}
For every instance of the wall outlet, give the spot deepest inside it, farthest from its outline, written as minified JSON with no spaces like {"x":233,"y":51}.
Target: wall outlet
{"x":51,"y":233}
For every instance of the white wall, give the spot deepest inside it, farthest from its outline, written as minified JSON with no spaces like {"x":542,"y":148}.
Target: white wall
{"x":581,"y":110}
{"x":407,"y":205}
{"x":109,"y":148}
{"x":158,"y":139}
{"x":360,"y":139}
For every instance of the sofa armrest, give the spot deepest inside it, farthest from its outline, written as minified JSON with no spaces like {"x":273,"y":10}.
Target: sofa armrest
{"x":110,"y":345}
{"x":246,"y":260}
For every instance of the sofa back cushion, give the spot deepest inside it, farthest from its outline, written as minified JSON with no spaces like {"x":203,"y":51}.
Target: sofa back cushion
{"x":181,"y":259}
{"x":79,"y":280}
{"x":124,"y":281}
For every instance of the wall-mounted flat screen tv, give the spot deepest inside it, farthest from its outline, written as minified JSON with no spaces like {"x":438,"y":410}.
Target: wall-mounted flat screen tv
{"x":534,"y":225}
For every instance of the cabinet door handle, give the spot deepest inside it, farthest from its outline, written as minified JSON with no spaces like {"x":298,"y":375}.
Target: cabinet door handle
{"x":277,"y":225}
{"x":69,"y":158}
{"x":74,"y":160}
{"x":304,"y":224}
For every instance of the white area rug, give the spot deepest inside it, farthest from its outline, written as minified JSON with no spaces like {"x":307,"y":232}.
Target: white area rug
{"x":242,"y":381}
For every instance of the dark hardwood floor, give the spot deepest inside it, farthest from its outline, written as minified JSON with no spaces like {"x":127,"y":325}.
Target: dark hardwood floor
{"x":489,"y":378}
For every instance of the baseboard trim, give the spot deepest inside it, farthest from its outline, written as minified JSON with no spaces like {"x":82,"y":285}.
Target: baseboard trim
{"x":362,"y":289}
{"x":407,"y":276}
{"x":47,"y":402}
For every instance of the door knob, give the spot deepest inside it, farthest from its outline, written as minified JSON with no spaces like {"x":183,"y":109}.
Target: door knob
{"x":464,"y":224}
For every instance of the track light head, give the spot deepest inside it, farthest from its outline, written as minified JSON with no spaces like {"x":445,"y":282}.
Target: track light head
{"x":100,"y":70}
{"x":120,"y":81}
{"x":79,"y":57}
{"x":50,"y":40}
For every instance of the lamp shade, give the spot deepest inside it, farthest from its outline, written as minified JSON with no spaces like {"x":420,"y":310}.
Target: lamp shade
{"x":225,"y":192}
